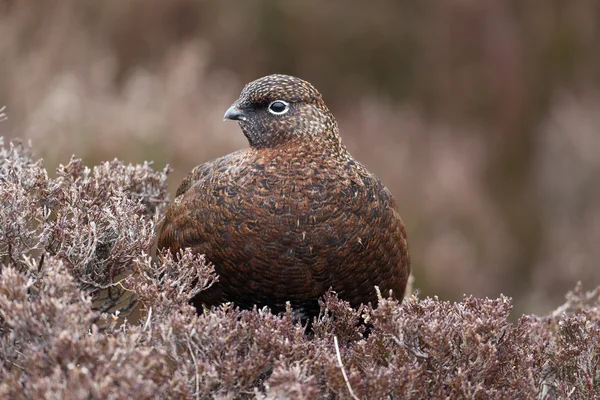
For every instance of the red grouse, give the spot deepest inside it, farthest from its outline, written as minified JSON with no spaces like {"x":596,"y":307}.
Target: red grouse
{"x":292,"y":215}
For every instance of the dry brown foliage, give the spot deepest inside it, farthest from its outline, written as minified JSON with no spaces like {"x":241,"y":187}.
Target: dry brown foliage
{"x":66,"y":241}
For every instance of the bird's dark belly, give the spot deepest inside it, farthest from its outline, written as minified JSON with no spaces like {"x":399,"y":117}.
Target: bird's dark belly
{"x":267,"y":252}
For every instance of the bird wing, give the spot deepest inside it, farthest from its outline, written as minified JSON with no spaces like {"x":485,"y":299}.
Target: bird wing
{"x":179,"y":228}
{"x":207,"y":170}
{"x":170,"y":231}
{"x":199,"y":172}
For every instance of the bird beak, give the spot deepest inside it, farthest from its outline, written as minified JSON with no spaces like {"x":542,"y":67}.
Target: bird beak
{"x":234,"y":113}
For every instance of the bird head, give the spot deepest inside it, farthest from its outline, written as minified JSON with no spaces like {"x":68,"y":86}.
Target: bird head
{"x":277,"y":109}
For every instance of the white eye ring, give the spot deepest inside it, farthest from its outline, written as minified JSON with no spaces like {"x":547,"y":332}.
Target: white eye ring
{"x":279,"y":112}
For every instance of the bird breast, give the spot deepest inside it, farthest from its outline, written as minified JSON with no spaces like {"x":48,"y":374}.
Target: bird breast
{"x":281,"y":228}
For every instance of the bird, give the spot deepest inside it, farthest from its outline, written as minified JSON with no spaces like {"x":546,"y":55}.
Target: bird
{"x":293,"y":215}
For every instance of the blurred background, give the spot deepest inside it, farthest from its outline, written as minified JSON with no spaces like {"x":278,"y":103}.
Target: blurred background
{"x":483,"y":118}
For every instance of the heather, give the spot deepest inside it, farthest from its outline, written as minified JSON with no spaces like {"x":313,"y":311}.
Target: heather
{"x":88,"y":309}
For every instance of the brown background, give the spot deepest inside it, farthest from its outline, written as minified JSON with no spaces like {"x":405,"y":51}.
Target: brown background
{"x":482,"y":117}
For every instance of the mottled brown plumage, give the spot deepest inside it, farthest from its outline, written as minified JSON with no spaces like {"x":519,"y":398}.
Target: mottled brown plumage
{"x":292,"y":215}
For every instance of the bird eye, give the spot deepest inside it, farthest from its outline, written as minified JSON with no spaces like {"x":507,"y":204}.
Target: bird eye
{"x":278,"y":107}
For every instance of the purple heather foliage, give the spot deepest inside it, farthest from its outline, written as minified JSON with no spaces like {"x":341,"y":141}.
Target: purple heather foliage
{"x":74,"y":260}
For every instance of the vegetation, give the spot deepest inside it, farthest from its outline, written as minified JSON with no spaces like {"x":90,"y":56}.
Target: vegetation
{"x":74,"y":254}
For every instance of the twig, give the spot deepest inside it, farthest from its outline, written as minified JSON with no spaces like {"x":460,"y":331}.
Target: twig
{"x":414,"y":351}
{"x":41,"y":263}
{"x":18,"y":366}
{"x":147,"y":324}
{"x":339,"y":358}
{"x":196,"y":366}
{"x":409,"y":286}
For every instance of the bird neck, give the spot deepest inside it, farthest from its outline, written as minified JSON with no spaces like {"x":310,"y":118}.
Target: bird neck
{"x":303,"y":148}
{"x":326,"y":141}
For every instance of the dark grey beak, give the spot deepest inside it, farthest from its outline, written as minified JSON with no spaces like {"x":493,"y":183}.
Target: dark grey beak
{"x":234,"y":113}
